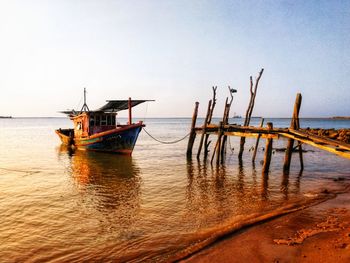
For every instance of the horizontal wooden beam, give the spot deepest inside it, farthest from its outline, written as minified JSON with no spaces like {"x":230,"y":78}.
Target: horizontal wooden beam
{"x":243,"y":134}
{"x":320,"y":139}
{"x":255,"y":135}
{"x":328,"y":148}
{"x":243,"y":129}
{"x":336,"y":147}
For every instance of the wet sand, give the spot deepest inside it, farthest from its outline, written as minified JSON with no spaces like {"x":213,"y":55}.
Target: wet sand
{"x":320,"y":233}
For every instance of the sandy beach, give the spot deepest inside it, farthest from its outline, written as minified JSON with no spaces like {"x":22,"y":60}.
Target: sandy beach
{"x":320,"y":233}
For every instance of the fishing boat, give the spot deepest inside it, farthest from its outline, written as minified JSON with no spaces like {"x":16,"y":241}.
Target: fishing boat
{"x":97,"y":130}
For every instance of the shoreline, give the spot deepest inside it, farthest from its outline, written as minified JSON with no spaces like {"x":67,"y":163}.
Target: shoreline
{"x":318,"y":233}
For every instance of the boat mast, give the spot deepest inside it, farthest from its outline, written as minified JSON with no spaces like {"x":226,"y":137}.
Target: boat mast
{"x":85,"y":106}
{"x":129,"y":108}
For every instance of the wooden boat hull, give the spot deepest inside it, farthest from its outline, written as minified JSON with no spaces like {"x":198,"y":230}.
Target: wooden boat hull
{"x":120,"y":140}
{"x":66,"y":135}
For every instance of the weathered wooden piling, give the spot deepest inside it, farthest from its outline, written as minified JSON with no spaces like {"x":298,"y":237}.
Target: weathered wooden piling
{"x":218,"y":150}
{"x":225,"y":122}
{"x":268,"y":151}
{"x":294,"y":124}
{"x":204,"y":130}
{"x":206,"y":142}
{"x":301,"y":156}
{"x":219,"y":141}
{"x":222,"y":138}
{"x":193,"y":131}
{"x":250,"y":108}
{"x":257,"y":141}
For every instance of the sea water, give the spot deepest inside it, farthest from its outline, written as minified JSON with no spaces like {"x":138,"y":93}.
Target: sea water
{"x":62,"y":205}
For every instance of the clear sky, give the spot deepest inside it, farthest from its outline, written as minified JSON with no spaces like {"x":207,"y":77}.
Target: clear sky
{"x":173,"y":52}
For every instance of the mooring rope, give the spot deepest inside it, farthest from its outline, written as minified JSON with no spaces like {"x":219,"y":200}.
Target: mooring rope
{"x":164,"y":142}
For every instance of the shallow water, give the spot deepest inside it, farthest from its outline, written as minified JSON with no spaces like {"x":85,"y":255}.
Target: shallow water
{"x":61,"y":205}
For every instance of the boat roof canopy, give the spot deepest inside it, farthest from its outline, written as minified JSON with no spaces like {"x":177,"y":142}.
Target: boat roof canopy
{"x":112,"y":106}
{"x":119,"y":105}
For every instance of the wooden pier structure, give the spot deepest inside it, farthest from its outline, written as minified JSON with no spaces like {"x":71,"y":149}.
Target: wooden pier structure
{"x":295,"y":135}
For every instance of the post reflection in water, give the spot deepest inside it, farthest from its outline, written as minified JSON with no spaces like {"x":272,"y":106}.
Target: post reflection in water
{"x":297,"y":181}
{"x":241,"y":174}
{"x":264,"y":187}
{"x":220,"y":192}
{"x":285,"y":185}
{"x":107,"y":183}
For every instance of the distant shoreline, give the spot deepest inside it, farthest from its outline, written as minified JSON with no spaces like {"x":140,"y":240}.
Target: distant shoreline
{"x":215,"y":117}
{"x":341,"y":118}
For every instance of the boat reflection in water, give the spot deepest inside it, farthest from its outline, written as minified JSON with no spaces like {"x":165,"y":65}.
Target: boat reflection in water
{"x":108,"y":185}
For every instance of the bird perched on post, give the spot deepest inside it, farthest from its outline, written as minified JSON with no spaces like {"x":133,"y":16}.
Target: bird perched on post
{"x":232,"y":90}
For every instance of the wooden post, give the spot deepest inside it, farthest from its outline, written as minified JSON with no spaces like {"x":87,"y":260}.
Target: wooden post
{"x":293,"y":125}
{"x":241,"y":148}
{"x":299,"y":146}
{"x":204,"y":130}
{"x":218,"y":150}
{"x":129,"y":107}
{"x":193,"y":131}
{"x":268,"y":151}
{"x":224,"y":139}
{"x":206,"y":143}
{"x":301,"y":157}
{"x":257,"y":141}
{"x":225,"y":120}
{"x":249,"y":109}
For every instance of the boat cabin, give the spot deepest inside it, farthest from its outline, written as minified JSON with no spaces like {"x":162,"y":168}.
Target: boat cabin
{"x":89,"y":123}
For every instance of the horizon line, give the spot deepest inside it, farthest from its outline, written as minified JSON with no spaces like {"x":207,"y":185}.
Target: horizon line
{"x":170,"y":117}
